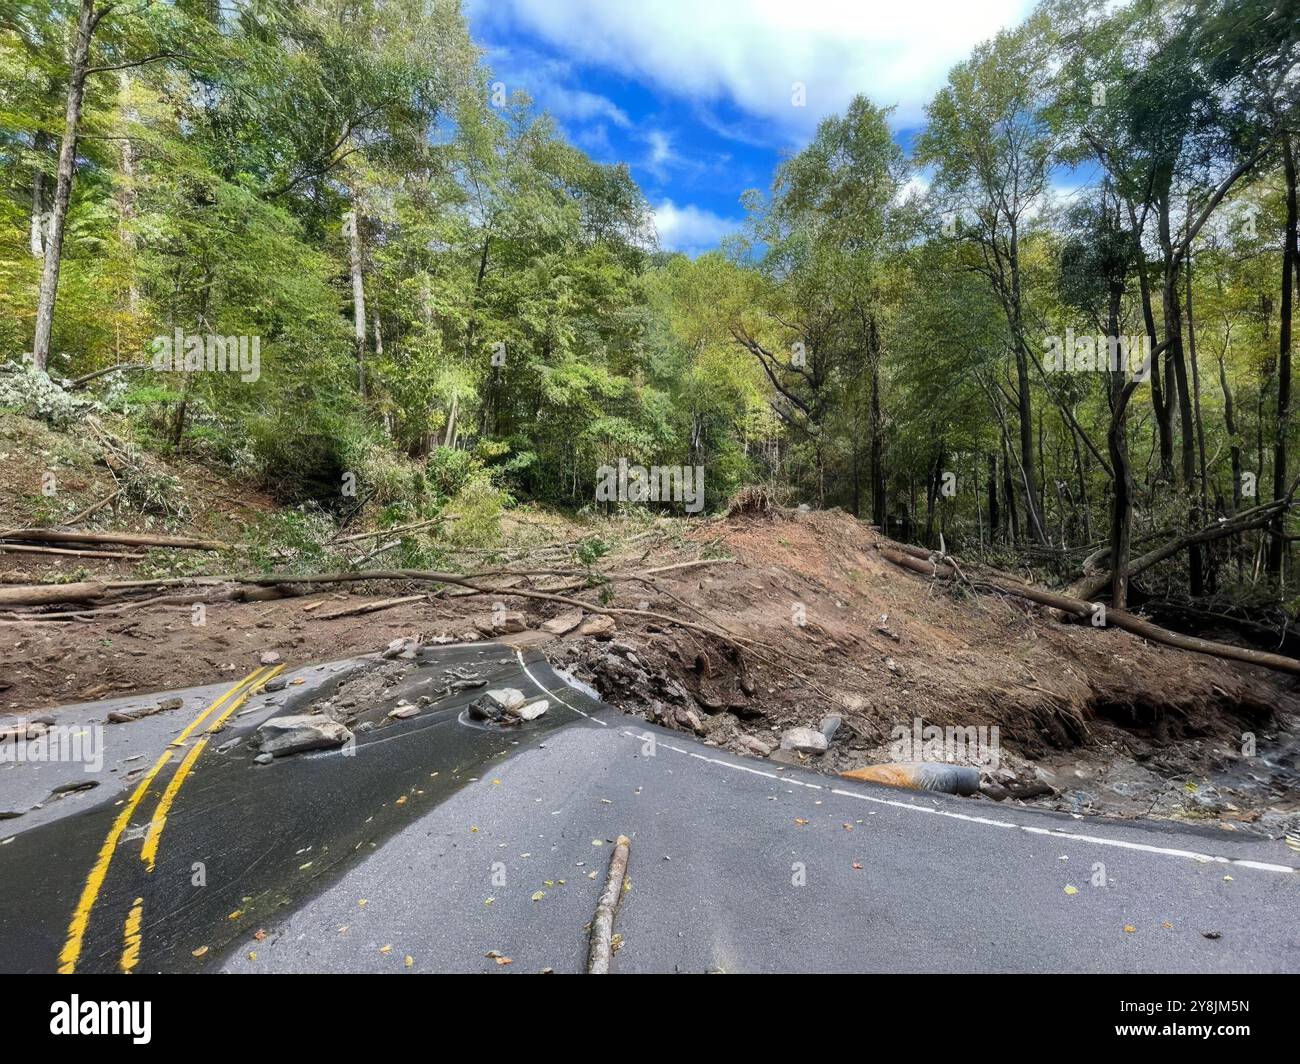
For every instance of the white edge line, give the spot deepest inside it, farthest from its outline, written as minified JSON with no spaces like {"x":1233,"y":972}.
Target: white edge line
{"x":1191,"y":855}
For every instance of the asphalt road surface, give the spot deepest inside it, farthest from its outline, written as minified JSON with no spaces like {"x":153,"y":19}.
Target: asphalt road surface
{"x":434,"y":841}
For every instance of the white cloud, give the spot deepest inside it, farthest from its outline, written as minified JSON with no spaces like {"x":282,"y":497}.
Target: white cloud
{"x":752,"y":52}
{"x":581,"y":105}
{"x":549,"y":82}
{"x":690,"y":229}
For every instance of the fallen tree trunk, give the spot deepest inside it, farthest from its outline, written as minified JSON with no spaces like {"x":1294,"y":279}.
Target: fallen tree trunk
{"x":1085,"y":610}
{"x":1246,"y":521}
{"x":123,"y":539}
{"x":27,"y":548}
{"x":51,"y":594}
{"x":371,"y":607}
{"x":601,"y":951}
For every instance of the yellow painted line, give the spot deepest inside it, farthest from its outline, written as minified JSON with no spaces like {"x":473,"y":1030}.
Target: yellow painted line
{"x":244,"y":685}
{"x":131,"y":940}
{"x":248,"y":692}
{"x":81,"y":915}
{"x":71,"y":951}
{"x":149,"y":852}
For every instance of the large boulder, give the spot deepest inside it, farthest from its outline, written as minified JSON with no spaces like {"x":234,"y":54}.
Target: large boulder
{"x":804,"y":740}
{"x":280,"y":736}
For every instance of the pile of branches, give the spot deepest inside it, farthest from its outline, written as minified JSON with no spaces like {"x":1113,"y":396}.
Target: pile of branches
{"x":948,"y":569}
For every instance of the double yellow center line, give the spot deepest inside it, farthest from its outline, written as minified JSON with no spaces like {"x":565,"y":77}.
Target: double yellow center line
{"x":226,"y":704}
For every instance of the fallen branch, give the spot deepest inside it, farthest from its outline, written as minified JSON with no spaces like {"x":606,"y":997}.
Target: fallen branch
{"x":122,"y":539}
{"x":1246,"y":521}
{"x":371,"y":607}
{"x":20,"y":548}
{"x":601,"y":951}
{"x":1076,"y":607}
{"x":92,"y":509}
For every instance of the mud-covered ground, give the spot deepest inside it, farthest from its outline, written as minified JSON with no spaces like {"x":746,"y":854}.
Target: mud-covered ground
{"x":1095,"y":721}
{"x":1092,"y":721}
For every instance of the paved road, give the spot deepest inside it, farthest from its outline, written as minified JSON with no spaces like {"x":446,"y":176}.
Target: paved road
{"x":435,"y":841}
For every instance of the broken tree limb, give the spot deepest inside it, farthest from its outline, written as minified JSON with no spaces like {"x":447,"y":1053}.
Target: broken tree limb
{"x":51,"y":594}
{"x":121,"y":539}
{"x":81,"y":382}
{"x":26,"y":548}
{"x":370,"y":607}
{"x":95,"y":508}
{"x":1129,"y":622}
{"x":601,"y":950}
{"x":1246,"y":521}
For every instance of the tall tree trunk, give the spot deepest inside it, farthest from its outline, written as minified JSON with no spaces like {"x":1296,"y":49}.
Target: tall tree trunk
{"x":87,"y":20}
{"x":1276,"y":544}
{"x":994,"y":516}
{"x":42,"y":146}
{"x":878,"y":493}
{"x":1202,"y":472}
{"x":1161,"y":404}
{"x":353,"y":233}
{"x":127,"y":212}
{"x":1174,"y":335}
{"x":1121,"y":514}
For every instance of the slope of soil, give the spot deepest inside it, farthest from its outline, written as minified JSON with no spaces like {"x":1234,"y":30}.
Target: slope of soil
{"x":1099,"y":719}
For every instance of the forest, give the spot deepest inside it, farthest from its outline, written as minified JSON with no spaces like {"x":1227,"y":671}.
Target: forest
{"x":1053,"y":331}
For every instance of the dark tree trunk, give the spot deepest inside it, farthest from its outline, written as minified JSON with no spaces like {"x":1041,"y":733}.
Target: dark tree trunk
{"x":1277,"y":544}
{"x":86,"y":23}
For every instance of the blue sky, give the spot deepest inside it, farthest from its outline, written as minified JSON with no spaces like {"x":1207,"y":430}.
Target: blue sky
{"x":697,"y":96}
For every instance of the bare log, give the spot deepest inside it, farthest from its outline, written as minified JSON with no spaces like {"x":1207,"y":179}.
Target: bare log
{"x":123,"y":539}
{"x":21,"y":548}
{"x":371,"y":607}
{"x":51,"y":594}
{"x":1129,"y":622}
{"x":601,"y":950}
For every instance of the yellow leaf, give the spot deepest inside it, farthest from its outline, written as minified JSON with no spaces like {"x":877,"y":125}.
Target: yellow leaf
{"x":410,"y":961}
{"x":386,"y":949}
{"x":199,"y":952}
{"x":1071,"y":890}
{"x":236,"y":914}
{"x":1129,"y":929}
{"x":539,"y":895}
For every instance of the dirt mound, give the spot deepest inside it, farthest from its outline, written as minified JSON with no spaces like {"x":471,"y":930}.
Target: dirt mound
{"x":800,"y":619}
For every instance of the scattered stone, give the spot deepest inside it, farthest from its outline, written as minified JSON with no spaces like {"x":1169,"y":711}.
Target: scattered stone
{"x":829,"y":726}
{"x":269,"y":657}
{"x":599,"y":626}
{"x":403,"y":710}
{"x":530,"y":710}
{"x":276,"y":683}
{"x":264,"y":759}
{"x":563,"y":624}
{"x":406,"y":649}
{"x":804,"y":740}
{"x":280,"y":736}
{"x":755,"y":745}
{"x":506,"y":697}
{"x":502,"y":623}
